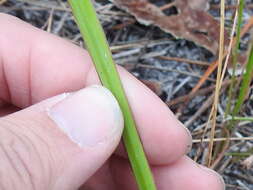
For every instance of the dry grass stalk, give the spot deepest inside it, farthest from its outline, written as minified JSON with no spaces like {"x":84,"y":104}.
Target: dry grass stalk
{"x":213,"y":113}
{"x":224,"y":139}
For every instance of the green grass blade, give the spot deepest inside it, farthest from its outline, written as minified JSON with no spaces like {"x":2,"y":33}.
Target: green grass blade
{"x":235,"y":57}
{"x":239,"y":154}
{"x":98,"y":48}
{"x":245,"y":83}
{"x":243,"y":89}
{"x":238,"y":118}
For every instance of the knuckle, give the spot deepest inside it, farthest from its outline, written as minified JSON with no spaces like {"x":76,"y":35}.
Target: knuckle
{"x":22,"y":162}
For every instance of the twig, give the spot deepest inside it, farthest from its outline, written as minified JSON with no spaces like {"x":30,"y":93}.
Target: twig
{"x":172,"y":70}
{"x":203,"y":108}
{"x":141,"y":43}
{"x":126,"y":53}
{"x":224,"y":139}
{"x":224,"y":164}
{"x":180,"y":85}
{"x":202,"y":91}
{"x":50,"y":21}
{"x":167,"y":6}
{"x":235,"y":187}
{"x":242,"y":184}
{"x":45,"y":5}
{"x":242,"y":176}
{"x":123,"y":25}
{"x":61,"y":23}
{"x":184,"y":60}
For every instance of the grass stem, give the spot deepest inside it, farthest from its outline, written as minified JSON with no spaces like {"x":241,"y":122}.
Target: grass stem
{"x":238,"y":118}
{"x":98,"y":48}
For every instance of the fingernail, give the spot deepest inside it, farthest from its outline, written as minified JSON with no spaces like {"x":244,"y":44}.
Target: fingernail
{"x":223,"y":185}
{"x":189,"y":145}
{"x":89,"y":116}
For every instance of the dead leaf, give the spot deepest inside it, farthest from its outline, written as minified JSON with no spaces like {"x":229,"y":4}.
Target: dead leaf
{"x":191,"y":22}
{"x":248,"y":162}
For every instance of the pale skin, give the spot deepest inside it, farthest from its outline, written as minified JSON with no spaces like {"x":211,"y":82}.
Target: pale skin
{"x":35,"y":66}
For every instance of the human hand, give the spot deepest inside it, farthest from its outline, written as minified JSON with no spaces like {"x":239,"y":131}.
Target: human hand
{"x":51,"y":141}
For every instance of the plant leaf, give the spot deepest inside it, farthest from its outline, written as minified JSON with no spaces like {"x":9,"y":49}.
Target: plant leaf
{"x":191,"y":21}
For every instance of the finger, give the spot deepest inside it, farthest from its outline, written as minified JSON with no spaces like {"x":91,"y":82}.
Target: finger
{"x":33,"y":74}
{"x":8,"y":109}
{"x":183,"y":174}
{"x":101,"y":180}
{"x":61,"y":142}
{"x":43,"y":66}
{"x":165,"y":138}
{"x":2,"y":103}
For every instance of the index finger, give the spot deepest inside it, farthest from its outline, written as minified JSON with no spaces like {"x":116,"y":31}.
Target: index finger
{"x":35,"y":65}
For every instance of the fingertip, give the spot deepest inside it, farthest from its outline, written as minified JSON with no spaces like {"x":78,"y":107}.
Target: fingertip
{"x":164,"y":137}
{"x":183,"y":174}
{"x":216,"y":178}
{"x":186,"y":174}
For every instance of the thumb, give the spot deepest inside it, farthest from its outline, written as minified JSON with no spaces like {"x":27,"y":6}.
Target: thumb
{"x":60,"y":142}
